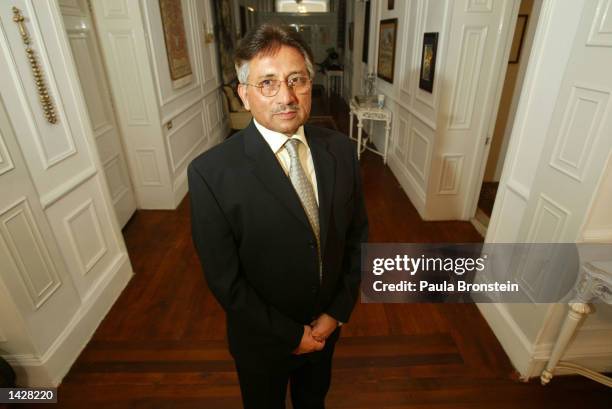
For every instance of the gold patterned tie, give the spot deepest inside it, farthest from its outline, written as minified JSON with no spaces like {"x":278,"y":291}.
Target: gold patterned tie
{"x":305,"y":191}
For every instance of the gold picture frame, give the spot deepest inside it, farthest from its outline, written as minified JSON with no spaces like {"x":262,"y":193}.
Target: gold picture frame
{"x":175,"y":38}
{"x":386,"y":49}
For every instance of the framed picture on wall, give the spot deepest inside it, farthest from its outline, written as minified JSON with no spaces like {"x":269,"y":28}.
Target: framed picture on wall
{"x":517,"y":41}
{"x":243,"y":21}
{"x":386,"y":49}
{"x":176,"y":42}
{"x":428,"y":61}
{"x":366,"y":34}
{"x":390,"y":4}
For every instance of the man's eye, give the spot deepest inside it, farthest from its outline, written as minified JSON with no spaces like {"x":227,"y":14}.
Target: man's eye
{"x":266,"y":83}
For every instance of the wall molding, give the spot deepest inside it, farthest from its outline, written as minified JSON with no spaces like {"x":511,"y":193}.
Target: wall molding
{"x":38,"y":297}
{"x":426,"y":121}
{"x":67,"y":187}
{"x":180,"y":186}
{"x":176,"y":163}
{"x":54,"y":364}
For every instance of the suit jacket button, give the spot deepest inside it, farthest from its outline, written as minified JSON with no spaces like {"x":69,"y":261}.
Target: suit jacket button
{"x":312,"y":244}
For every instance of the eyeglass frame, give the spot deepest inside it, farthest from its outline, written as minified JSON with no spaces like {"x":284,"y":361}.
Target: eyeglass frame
{"x":308,"y":79}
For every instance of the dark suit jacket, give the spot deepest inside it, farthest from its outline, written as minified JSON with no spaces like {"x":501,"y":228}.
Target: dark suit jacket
{"x":257,"y":249}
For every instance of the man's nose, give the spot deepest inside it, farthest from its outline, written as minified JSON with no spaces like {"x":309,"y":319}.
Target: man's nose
{"x":286,"y":94}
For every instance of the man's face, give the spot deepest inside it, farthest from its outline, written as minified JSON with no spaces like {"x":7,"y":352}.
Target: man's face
{"x":286,"y":111}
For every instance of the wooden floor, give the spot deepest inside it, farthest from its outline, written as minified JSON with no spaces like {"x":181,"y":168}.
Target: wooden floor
{"x":163,"y":343}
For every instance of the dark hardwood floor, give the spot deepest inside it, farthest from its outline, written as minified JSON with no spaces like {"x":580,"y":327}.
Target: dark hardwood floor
{"x":163,"y":343}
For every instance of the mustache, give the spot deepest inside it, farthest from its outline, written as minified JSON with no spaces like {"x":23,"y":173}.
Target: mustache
{"x":285,"y":108}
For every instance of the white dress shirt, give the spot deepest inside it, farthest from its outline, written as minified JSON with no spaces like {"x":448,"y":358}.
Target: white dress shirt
{"x":277,"y":140}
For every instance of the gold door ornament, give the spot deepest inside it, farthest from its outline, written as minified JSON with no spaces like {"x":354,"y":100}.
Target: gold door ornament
{"x":41,"y":86}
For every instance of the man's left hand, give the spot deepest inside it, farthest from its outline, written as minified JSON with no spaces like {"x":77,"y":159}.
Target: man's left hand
{"x":323,"y":326}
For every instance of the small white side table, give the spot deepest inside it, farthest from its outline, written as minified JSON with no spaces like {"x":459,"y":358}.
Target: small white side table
{"x":373,"y":113}
{"x":595,"y":283}
{"x":334,"y":78}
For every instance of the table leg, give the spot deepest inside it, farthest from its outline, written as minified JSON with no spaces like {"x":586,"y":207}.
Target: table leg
{"x":359,"y":128}
{"x":351,"y":124}
{"x":387,"y":133}
{"x":576,"y":313}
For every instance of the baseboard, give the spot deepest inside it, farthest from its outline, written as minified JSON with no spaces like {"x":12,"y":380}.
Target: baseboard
{"x":530,"y":359}
{"x":512,"y":339}
{"x":180,"y":188}
{"x":413,"y":193}
{"x":50,"y":369}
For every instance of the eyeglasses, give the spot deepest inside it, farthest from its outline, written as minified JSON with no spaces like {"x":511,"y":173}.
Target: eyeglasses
{"x":269,"y":88}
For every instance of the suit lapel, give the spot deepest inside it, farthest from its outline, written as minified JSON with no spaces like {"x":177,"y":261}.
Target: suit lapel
{"x":325,"y":169}
{"x":270,"y":173}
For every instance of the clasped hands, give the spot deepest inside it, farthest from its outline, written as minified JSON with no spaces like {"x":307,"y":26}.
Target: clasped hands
{"x":316,"y":333}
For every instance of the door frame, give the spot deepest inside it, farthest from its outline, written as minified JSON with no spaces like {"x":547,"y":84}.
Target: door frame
{"x":483,"y":156}
{"x":469,"y":211}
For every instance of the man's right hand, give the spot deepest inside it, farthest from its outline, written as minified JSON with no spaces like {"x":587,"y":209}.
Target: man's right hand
{"x":308,"y":343}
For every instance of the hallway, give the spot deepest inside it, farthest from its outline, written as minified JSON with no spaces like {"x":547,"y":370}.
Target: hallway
{"x":163,"y":343}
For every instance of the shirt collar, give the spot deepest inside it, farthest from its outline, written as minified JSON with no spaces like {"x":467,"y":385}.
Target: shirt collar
{"x":276,"y":140}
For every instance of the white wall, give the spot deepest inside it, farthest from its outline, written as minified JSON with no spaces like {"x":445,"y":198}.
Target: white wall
{"x":438,"y":138}
{"x":164,"y":128}
{"x":598,"y":227}
{"x":62,"y":256}
{"x":414,"y":110}
{"x":539,"y":200}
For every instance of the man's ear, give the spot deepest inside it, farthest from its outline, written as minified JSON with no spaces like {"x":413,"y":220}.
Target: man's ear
{"x":242,"y":91}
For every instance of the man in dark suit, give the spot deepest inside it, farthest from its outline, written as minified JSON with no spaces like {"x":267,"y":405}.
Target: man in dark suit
{"x":278,"y":219}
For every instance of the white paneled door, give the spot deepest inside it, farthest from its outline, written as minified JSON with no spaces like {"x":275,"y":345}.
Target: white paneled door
{"x":477,"y":50}
{"x":94,"y":83}
{"x":579,"y":140}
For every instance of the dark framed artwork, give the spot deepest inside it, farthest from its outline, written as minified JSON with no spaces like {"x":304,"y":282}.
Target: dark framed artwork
{"x":386,"y":49}
{"x":390,"y":4}
{"x":428,"y":61}
{"x":517,"y":40}
{"x":366,"y":34}
{"x":243,"y":21}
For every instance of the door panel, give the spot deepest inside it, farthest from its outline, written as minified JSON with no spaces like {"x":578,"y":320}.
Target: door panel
{"x":579,"y":140}
{"x":94,"y":84}
{"x":475,"y":57}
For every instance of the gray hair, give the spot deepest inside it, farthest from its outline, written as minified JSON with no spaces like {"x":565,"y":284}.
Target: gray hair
{"x":268,"y":39}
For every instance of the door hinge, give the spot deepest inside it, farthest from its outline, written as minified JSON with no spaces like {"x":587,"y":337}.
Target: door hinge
{"x":487,"y":140}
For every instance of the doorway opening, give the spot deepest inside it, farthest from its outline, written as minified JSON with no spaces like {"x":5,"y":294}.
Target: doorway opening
{"x":526,"y":22}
